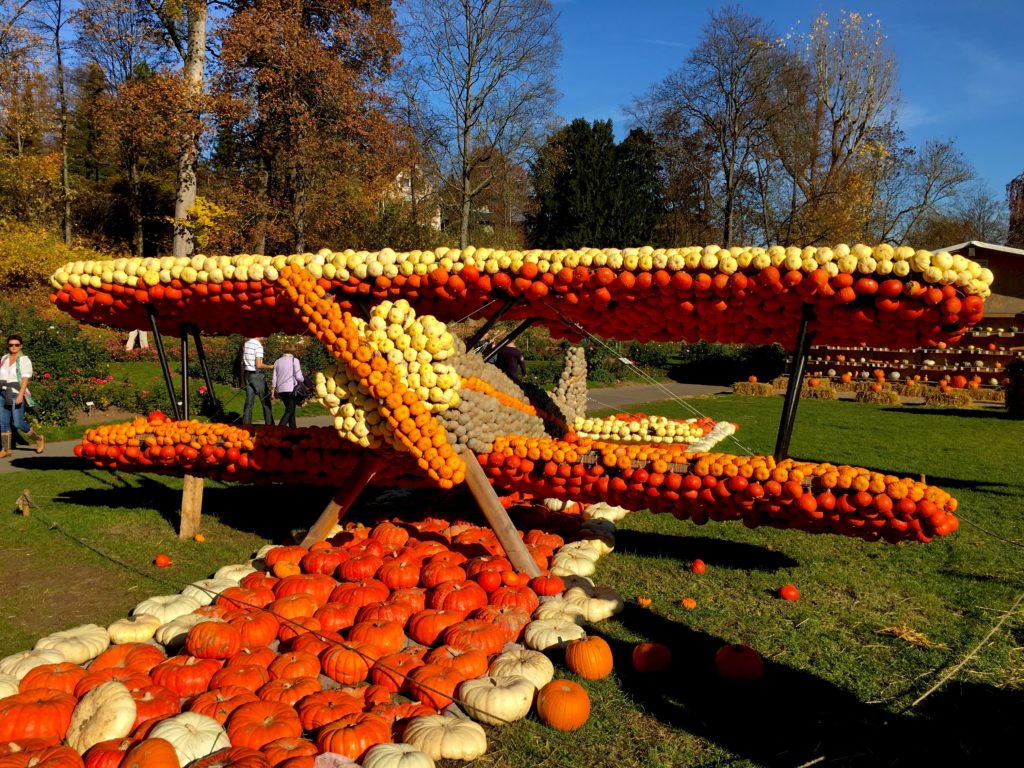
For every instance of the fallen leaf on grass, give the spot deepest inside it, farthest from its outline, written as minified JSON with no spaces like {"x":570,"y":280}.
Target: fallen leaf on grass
{"x":908,"y":635}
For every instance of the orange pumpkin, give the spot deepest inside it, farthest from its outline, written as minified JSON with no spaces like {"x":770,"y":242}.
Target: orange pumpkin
{"x":41,"y":713}
{"x":651,"y":657}
{"x":150,"y":753}
{"x":739,"y":662}
{"x":353,"y":735}
{"x":563,"y":704}
{"x":590,"y":658}
{"x":258,"y":723}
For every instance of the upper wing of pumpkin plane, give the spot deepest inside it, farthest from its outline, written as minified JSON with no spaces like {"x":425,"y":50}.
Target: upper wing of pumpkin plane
{"x":883,"y":296}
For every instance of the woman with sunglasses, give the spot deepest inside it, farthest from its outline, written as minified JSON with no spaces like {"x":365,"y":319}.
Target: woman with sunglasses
{"x":15,"y":371}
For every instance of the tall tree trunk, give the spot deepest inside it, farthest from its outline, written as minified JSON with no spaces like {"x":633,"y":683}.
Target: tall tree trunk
{"x":192,"y":72}
{"x":297,"y":181}
{"x":263,"y":191}
{"x":135,"y":205}
{"x":466,"y":193}
{"x":65,"y":176}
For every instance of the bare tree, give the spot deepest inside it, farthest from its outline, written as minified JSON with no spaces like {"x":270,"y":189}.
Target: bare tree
{"x":985,"y":213}
{"x":724,"y":91}
{"x":845,"y":102}
{"x":916,"y":186}
{"x":489,"y":66}
{"x":118,"y":36}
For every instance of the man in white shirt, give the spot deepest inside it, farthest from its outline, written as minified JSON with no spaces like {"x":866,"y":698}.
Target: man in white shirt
{"x":254,"y":380}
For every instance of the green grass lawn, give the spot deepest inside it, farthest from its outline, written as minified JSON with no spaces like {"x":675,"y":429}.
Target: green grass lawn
{"x":835,"y":686}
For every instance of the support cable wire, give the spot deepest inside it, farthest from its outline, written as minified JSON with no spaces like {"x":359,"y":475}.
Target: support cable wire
{"x":686,"y":405}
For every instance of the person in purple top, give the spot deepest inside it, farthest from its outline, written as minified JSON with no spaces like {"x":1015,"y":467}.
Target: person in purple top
{"x":287,"y":384}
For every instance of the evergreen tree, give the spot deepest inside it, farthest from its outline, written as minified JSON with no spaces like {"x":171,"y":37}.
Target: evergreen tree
{"x":588,"y":191}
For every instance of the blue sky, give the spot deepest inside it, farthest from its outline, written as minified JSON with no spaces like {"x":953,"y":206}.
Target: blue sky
{"x":960,"y":63}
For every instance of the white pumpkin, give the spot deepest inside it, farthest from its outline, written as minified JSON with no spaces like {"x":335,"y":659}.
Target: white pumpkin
{"x":134,"y":629}
{"x":236,"y":572}
{"x":261,"y":553}
{"x":576,"y":581}
{"x":390,"y":755}
{"x":173,"y":633}
{"x":542,"y":634}
{"x":574,"y":562}
{"x":18,"y":665}
{"x":597,"y":603}
{"x":522,"y":662}
{"x":603,"y":511}
{"x":559,"y":505}
{"x":582,"y":547}
{"x":8,"y":686}
{"x":79,"y":644}
{"x":600,"y":538}
{"x":192,"y":735}
{"x":446,"y":737}
{"x":497,"y":700}
{"x":106,"y":712}
{"x":205,"y":590}
{"x":166,"y":607}
{"x":559,"y":610}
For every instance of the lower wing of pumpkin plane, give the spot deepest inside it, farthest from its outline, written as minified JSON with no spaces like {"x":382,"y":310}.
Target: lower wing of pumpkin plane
{"x":407,"y":395}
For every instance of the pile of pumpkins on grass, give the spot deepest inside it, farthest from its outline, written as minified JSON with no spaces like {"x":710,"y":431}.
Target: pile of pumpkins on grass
{"x":388,"y":645}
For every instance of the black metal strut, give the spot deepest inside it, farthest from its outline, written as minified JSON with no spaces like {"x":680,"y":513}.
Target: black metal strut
{"x":164,"y":366}
{"x":796,"y":375}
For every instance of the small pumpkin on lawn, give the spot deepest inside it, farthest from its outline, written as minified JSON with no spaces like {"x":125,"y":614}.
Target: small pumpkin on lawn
{"x":590,"y":657}
{"x":651,"y":657}
{"x":563,"y":704}
{"x":739,"y":662}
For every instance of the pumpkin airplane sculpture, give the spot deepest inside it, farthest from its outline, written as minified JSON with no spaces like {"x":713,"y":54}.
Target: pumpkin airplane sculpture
{"x":423,"y":407}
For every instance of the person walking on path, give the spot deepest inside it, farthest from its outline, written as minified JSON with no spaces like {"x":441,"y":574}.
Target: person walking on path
{"x":510,"y":360}
{"x":15,"y":372}
{"x":254,"y":381}
{"x":286,"y":384}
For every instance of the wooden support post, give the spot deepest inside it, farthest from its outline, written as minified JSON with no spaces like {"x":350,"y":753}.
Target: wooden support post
{"x":496,"y":515}
{"x":341,"y":502}
{"x":191,"y":506}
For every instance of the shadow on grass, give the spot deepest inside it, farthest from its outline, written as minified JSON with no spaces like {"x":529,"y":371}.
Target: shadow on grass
{"x":270,"y":511}
{"x":42,"y":461}
{"x":992,"y":414}
{"x":720,"y":553}
{"x":792,"y":718}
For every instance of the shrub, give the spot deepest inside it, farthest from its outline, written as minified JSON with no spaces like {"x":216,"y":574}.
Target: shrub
{"x":544,"y":373}
{"x":29,"y":255}
{"x":713,"y":363}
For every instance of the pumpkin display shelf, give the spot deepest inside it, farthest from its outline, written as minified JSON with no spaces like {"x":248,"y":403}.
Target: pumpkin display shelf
{"x":423,"y":407}
{"x":362,"y":637}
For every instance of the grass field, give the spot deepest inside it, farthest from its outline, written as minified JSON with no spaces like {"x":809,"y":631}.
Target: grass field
{"x":875,"y":627}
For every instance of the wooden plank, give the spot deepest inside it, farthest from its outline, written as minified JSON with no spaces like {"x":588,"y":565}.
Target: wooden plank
{"x":496,"y":515}
{"x":191,"y":506}
{"x":342,"y":501}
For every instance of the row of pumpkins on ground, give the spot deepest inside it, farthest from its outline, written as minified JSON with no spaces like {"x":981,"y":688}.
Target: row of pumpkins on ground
{"x":393,"y":634}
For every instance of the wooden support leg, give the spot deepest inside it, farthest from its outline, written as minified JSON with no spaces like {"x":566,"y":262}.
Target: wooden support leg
{"x":496,"y":515}
{"x":191,"y":506}
{"x":340,"y":504}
